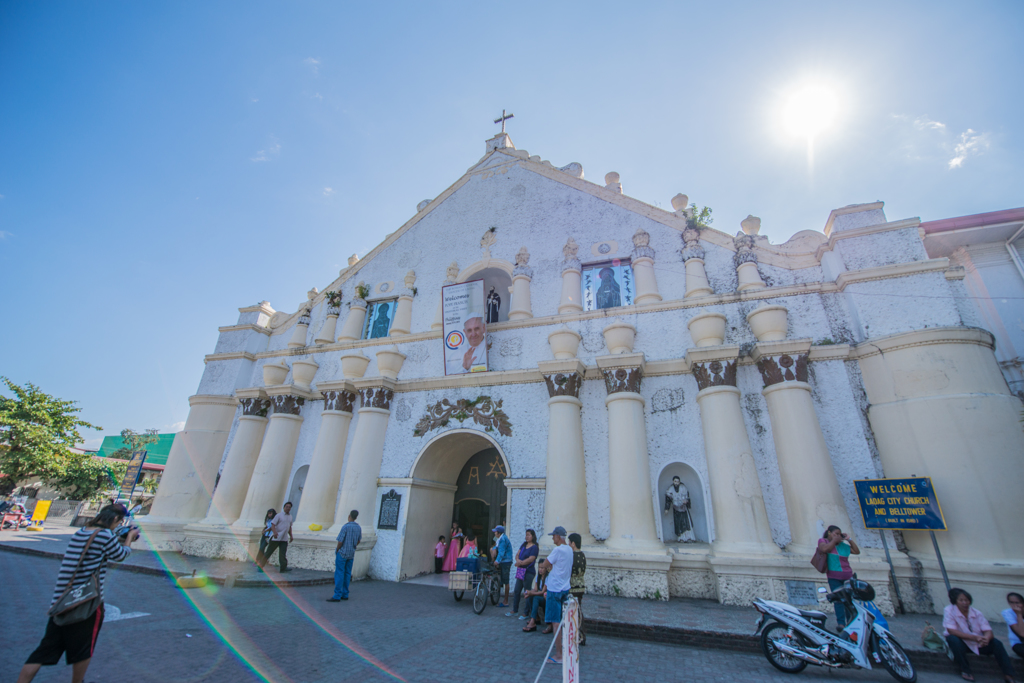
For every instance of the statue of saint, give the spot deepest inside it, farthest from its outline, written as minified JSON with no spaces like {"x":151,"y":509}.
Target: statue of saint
{"x":380,"y":321}
{"x":608,"y":293}
{"x":493,"y":304}
{"x":677,"y":499}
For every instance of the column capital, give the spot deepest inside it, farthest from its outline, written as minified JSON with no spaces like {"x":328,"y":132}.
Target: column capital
{"x":255,"y":406}
{"x":286,"y":404}
{"x":784,"y":368}
{"x":715,"y":373}
{"x":339,"y":400}
{"x":377,"y":397}
{"x":622,"y":372}
{"x":563,"y":377}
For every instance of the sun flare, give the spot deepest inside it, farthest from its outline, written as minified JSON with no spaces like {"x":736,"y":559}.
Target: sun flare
{"x":809,"y":110}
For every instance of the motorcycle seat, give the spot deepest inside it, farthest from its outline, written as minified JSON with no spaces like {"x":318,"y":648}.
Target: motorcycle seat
{"x":813,"y":615}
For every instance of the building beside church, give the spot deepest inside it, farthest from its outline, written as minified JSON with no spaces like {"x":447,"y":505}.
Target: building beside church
{"x":626,"y":345}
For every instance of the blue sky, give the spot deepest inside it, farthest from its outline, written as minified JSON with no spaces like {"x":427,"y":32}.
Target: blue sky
{"x":162,"y":164}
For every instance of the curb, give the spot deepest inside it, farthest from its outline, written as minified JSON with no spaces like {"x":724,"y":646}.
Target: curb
{"x":155,"y":571}
{"x":750,"y":644}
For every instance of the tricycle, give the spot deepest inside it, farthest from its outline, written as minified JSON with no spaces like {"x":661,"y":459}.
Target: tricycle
{"x":478,"y":575}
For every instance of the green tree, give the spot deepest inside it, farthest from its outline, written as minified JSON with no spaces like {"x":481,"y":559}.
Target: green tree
{"x":150,"y":485}
{"x":37,"y":432}
{"x":134,"y":441}
{"x":86,"y":475}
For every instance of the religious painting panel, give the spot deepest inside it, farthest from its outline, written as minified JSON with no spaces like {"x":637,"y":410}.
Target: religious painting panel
{"x":607,"y":285}
{"x":379,"y":316}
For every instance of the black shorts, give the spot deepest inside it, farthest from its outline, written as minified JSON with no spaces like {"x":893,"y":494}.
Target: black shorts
{"x":75,"y":641}
{"x":506,"y":568}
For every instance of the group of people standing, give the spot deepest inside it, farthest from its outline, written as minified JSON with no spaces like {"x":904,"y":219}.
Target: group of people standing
{"x":541,"y":586}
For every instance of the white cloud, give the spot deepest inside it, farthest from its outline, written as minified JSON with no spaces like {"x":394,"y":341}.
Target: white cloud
{"x":313,"y":64}
{"x":174,"y":427}
{"x":265,"y":154}
{"x":970,"y":144}
{"x":4,"y":234}
{"x":328,"y":192}
{"x":924,"y":123}
{"x":255,"y":99}
{"x":318,"y":96}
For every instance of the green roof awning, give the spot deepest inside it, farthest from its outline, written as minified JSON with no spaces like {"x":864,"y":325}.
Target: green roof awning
{"x":156,"y":453}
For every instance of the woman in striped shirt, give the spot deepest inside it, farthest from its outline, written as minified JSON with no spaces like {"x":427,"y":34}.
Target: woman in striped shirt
{"x":77,"y":641}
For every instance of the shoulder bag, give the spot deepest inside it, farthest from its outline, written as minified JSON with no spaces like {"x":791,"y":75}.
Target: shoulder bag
{"x":78,"y":603}
{"x":819,"y":560}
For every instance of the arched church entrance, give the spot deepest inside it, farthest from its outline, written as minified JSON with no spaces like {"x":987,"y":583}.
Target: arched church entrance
{"x":458,"y":476}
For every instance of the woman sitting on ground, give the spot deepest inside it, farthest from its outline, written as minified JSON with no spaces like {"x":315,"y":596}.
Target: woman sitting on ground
{"x":1014,"y":618}
{"x":966,"y":629}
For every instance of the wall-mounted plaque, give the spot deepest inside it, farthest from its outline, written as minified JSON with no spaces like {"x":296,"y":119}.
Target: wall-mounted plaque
{"x":390,"y":504}
{"x":803,"y":593}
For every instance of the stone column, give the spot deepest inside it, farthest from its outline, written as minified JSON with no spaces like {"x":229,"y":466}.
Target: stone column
{"x":191,"y":473}
{"x":359,"y":487}
{"x":572,"y":271}
{"x":643,"y":269}
{"x":522,"y":275}
{"x":747,"y":275}
{"x":693,"y":257}
{"x":326,"y":334}
{"x":320,"y":494}
{"x":565,"y":502}
{"x":269,"y":480}
{"x":237,"y":471}
{"x":629,"y":481}
{"x":353,"y":327}
{"x":453,"y":277}
{"x":741,"y":519}
{"x":298,"y":339}
{"x":809,"y":482}
{"x":402,"y":323}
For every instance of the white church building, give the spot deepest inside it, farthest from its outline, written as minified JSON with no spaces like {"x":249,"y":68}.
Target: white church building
{"x":626,"y":345}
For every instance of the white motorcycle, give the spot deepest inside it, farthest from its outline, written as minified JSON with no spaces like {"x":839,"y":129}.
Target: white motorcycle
{"x":792,"y":638}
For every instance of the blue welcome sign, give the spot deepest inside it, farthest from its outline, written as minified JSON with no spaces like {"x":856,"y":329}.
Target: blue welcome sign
{"x":909,"y":504}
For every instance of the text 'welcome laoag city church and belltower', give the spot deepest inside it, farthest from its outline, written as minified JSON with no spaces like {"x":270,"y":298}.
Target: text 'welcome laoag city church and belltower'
{"x":605,"y":346}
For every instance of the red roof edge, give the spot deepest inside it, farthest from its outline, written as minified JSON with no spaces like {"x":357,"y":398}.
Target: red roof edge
{"x":974,"y":221}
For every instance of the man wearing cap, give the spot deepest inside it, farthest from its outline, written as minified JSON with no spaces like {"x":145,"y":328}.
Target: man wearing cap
{"x":501,"y":554}
{"x":559,"y":568}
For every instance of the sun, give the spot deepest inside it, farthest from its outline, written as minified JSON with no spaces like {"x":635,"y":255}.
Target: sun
{"x":809,"y":110}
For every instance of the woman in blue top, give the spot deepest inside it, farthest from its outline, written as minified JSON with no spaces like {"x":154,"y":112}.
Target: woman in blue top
{"x":526,"y":561}
{"x":838,"y":547}
{"x":1014,"y":618}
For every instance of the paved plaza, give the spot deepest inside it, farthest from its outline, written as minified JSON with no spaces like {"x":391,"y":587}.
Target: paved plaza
{"x":386,"y":632}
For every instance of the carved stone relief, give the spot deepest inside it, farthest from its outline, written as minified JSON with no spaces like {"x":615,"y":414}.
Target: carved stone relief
{"x":691,"y":245}
{"x":511,"y":347}
{"x":666,"y":399}
{"x":784,"y":368}
{"x":482,"y":409}
{"x":641,"y":244}
{"x":560,"y":384}
{"x":570,"y":260}
{"x":339,"y":400}
{"x":376,"y":397}
{"x":523,"y":264}
{"x":255,"y":406}
{"x":744,"y":250}
{"x":403,"y":410}
{"x":715,"y":374}
{"x":622,"y":379}
{"x":288,"y":405}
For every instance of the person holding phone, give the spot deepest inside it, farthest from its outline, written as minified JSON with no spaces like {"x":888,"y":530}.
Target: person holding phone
{"x":838,"y":547}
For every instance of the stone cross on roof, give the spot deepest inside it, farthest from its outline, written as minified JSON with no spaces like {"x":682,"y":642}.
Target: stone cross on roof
{"x":504,"y":117}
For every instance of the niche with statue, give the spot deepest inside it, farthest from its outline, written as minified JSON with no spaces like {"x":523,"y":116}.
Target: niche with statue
{"x":682,"y":526}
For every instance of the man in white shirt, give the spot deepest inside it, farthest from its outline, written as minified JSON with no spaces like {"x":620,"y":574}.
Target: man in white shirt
{"x":474,"y":352}
{"x":280,"y":528}
{"x":558,"y":565}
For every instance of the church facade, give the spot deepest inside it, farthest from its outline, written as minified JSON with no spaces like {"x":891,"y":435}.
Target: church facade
{"x":618,"y":345}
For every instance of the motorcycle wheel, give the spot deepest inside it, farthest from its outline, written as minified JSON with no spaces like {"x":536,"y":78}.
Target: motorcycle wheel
{"x":895,"y":660}
{"x":480,"y":596}
{"x":780,"y":660}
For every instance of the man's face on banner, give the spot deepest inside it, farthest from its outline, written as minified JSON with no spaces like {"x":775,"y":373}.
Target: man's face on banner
{"x":474,"y":329}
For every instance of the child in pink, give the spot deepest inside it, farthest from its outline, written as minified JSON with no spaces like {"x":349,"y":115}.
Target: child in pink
{"x":439,"y":554}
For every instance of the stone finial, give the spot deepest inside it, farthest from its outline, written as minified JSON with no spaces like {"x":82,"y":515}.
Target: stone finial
{"x":751,"y":225}
{"x":422,"y":205}
{"x":611,"y":181}
{"x":691,"y":245}
{"x":352,"y":260}
{"x":410,"y":279}
{"x":570,"y":250}
{"x":523,"y":264}
{"x":488,"y":241}
{"x":641,"y":244}
{"x":312,"y":294}
{"x":359,"y":285}
{"x":573,"y":169}
{"x":680,"y":202}
{"x":453,"y":273}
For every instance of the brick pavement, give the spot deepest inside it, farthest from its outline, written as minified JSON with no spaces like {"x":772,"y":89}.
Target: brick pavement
{"x":418,"y":632}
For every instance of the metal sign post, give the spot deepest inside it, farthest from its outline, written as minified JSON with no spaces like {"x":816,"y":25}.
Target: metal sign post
{"x":906,"y":504}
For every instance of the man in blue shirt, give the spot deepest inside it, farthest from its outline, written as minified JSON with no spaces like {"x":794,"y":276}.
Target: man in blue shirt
{"x":501,"y":553}
{"x":348,"y":539}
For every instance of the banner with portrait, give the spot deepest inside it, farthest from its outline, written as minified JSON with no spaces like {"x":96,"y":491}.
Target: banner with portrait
{"x":464,"y":318}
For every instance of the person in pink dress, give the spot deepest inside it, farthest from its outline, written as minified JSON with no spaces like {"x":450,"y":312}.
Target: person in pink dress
{"x":454,"y":546}
{"x":469,"y":547}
